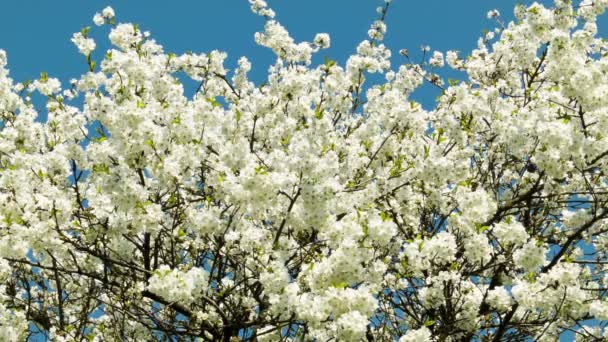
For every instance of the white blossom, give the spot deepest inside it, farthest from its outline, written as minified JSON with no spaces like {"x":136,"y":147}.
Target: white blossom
{"x":85,"y":45}
{"x":324,"y":203}
{"x":418,"y":335}
{"x":322,"y":40}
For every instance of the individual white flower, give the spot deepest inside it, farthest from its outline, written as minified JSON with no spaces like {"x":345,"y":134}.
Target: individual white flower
{"x":437,"y":59}
{"x":493,"y":14}
{"x":98,"y":19}
{"x":322,"y":40}
{"x":108,"y":12}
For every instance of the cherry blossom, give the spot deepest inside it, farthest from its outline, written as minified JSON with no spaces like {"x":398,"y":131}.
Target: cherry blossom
{"x":323,"y":204}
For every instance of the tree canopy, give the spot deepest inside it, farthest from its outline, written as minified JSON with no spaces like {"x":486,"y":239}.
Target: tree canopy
{"x":317,"y":206}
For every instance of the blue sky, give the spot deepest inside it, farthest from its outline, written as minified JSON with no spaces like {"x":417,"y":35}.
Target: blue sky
{"x":36,"y":34}
{"x":40,"y":31}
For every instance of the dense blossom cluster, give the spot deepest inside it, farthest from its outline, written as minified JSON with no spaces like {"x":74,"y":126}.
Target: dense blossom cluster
{"x":313,"y":207}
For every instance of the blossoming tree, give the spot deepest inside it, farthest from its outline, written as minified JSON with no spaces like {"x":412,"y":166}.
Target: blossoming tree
{"x":313,"y":207}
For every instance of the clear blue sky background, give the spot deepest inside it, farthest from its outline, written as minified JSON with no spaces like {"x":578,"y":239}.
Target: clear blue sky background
{"x":36,"y":34}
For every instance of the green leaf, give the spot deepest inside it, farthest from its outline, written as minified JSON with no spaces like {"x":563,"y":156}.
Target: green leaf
{"x":261,"y":170}
{"x":340,"y":285}
{"x":221,"y":177}
{"x":329,"y":62}
{"x":327,"y":148}
{"x":238,"y":115}
{"x":440,"y":137}
{"x":533,"y":10}
{"x":214,"y":102}
{"x":85,"y":31}
{"x":397,"y":167}
{"x":44,"y":77}
{"x":101,"y":168}
{"x":480,"y":228}
{"x":92,"y":64}
{"x":365,"y":230}
{"x":141,"y":104}
{"x":285,"y":141}
{"x":319,"y":113}
{"x":464,"y":183}
{"x":142,"y":205}
{"x":530,"y":277}
{"x":8,"y":219}
{"x":351,"y":184}
{"x":385,"y":216}
{"x":429,"y":322}
{"x":452,"y":82}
